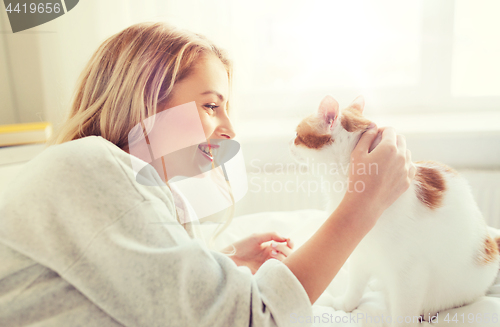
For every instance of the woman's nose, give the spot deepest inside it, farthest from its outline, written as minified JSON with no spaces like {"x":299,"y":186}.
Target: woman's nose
{"x":225,"y":130}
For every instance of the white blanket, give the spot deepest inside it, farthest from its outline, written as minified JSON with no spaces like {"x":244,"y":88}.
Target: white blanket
{"x":300,"y":226}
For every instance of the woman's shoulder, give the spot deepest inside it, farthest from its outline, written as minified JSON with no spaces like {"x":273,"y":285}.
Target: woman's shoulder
{"x":80,"y":153}
{"x":61,"y":199}
{"x":89,"y":163}
{"x":91,"y":154}
{"x":84,"y":160}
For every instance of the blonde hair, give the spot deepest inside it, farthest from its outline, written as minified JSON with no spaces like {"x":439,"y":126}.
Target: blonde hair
{"x":129,"y":77}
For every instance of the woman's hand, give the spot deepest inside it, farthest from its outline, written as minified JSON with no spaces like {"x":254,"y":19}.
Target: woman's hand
{"x":255,"y":249}
{"x":387,"y":174}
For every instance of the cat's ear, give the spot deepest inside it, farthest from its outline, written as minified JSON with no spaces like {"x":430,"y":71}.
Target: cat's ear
{"x":329,"y":110}
{"x":358,"y":104}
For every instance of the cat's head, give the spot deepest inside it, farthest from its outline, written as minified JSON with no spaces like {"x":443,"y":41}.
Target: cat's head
{"x":330,"y":135}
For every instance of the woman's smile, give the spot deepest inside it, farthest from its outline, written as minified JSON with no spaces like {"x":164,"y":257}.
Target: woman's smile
{"x":206,"y":149}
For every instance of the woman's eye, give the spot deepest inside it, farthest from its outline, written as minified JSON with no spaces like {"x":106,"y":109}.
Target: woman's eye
{"x":211,"y":106}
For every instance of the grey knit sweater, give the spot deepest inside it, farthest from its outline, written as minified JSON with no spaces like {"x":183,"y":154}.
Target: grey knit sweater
{"x":83,"y":244}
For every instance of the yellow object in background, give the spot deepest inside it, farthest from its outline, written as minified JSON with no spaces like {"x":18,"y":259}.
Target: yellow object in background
{"x":28,"y":133}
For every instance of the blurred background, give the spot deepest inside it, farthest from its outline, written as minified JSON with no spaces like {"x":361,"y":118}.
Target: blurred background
{"x":429,"y":68}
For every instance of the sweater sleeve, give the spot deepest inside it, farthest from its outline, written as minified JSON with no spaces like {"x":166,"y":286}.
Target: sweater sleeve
{"x":144,"y":270}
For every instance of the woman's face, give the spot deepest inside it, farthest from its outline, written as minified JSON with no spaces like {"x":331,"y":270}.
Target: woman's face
{"x":208,"y":87}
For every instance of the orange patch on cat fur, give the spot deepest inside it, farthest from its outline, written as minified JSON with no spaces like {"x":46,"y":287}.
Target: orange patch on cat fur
{"x":353,"y":121}
{"x":307,"y":135}
{"x":430,"y":183}
{"x":489,"y":253}
{"x":439,"y":165}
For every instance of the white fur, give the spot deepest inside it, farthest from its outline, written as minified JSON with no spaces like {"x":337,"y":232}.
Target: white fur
{"x":425,"y":259}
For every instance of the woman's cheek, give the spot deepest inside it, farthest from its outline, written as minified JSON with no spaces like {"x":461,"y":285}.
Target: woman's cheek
{"x":208,"y":125}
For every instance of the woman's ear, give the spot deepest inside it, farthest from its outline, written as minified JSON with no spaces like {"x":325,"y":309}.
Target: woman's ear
{"x":328,"y":110}
{"x":358,"y":104}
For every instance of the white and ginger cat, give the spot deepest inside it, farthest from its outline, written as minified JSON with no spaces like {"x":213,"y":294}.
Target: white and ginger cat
{"x":430,"y":250}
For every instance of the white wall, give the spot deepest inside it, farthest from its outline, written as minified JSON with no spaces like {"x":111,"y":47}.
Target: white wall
{"x":8,"y":114}
{"x":21,"y":81}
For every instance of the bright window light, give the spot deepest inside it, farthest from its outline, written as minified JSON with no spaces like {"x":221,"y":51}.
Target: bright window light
{"x":476,"y":50}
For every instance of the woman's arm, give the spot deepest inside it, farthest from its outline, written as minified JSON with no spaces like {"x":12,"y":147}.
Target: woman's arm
{"x":317,"y":262}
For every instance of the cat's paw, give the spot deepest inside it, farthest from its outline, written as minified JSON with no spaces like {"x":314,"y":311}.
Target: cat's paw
{"x":340,"y":303}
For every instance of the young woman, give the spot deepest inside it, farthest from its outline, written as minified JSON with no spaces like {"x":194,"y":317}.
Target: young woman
{"x":83,"y":244}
